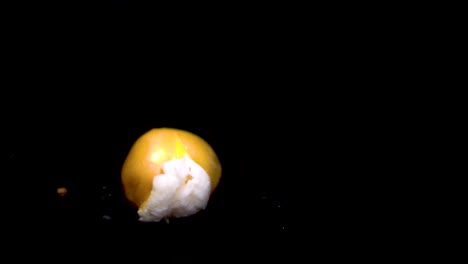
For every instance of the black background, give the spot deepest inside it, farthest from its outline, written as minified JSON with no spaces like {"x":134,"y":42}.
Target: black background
{"x":272,"y":89}
{"x":81,"y":93}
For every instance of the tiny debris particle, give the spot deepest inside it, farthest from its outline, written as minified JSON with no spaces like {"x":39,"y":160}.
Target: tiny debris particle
{"x":62,"y":191}
{"x":106,"y":217}
{"x":188,"y":178}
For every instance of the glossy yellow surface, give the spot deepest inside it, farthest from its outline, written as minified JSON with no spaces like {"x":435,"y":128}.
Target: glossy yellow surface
{"x":157,"y":146}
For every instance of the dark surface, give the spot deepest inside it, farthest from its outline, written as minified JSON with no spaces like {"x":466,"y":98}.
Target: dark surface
{"x":85,"y":153}
{"x":250,"y":205}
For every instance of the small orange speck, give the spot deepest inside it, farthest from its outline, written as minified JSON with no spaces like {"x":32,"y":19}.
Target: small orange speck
{"x":62,"y":191}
